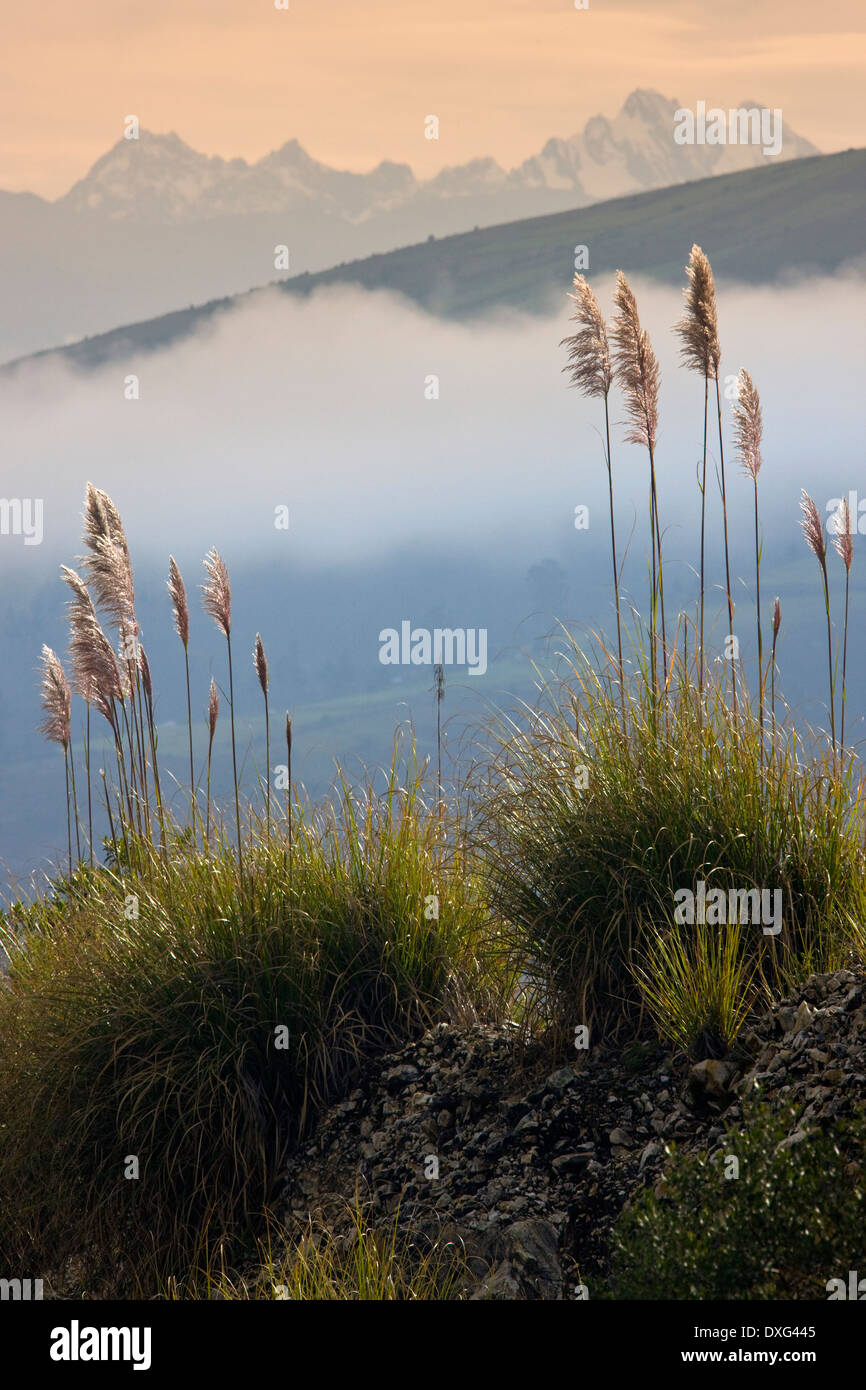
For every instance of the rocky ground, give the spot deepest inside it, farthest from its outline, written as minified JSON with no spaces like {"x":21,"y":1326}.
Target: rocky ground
{"x":468,"y":1135}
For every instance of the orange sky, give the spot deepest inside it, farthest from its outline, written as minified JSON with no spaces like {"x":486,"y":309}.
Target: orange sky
{"x":354,"y":79}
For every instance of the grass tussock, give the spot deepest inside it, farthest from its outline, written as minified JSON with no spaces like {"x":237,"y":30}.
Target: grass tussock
{"x":368,"y":1264}
{"x":175,"y":1014}
{"x":590,"y":827}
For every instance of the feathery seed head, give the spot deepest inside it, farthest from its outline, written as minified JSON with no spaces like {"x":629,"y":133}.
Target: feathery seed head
{"x":589,"y":363}
{"x":777,"y":618}
{"x":94,"y":665}
{"x":108,"y":565}
{"x":812,"y":528}
{"x":56,"y":700}
{"x":260,"y":662}
{"x":217,"y":592}
{"x":288,"y":733}
{"x":748,"y":424}
{"x":635,"y":367}
{"x":843,"y":541}
{"x":177,"y":590}
{"x":698,"y":328}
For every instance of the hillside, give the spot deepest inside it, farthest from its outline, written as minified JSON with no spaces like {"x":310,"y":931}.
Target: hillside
{"x":759,"y":225}
{"x":155,"y":224}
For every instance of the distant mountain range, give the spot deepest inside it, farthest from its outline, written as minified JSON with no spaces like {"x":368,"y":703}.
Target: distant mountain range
{"x":155,"y":224}
{"x":158,"y":178}
{"x":757,"y":226}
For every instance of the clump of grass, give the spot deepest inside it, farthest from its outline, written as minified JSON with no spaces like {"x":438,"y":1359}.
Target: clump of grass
{"x":164,"y":1011}
{"x":369,"y":1264}
{"x":588,"y":829}
{"x":697,"y":985}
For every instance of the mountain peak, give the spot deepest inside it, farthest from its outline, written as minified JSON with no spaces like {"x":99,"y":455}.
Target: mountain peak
{"x":648,"y":105}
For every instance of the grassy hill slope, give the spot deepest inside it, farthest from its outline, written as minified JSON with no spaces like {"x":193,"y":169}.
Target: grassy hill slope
{"x":803,"y":216}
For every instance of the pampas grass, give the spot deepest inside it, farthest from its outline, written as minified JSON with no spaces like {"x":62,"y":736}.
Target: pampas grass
{"x":217,"y":601}
{"x":213,"y":709}
{"x":814,"y":534}
{"x":55,"y":725}
{"x":748,"y":432}
{"x":701,"y":351}
{"x":591,"y":371}
{"x":289,"y":789}
{"x":260,"y":663}
{"x":177,"y":592}
{"x":636,"y":370}
{"x":844,"y":547}
{"x":439,"y":676}
{"x":777,"y":623}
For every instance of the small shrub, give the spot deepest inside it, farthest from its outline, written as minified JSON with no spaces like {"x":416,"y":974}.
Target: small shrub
{"x":791,"y":1220}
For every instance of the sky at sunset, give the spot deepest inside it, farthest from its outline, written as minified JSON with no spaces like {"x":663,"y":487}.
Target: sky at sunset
{"x":353,"y":80}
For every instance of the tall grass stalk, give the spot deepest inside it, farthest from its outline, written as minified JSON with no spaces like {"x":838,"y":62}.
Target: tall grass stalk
{"x":55,"y":725}
{"x":289,"y":797}
{"x":260,"y":664}
{"x":724,"y":492}
{"x":749,"y":429}
{"x":844,"y":547}
{"x":439,"y":675}
{"x":218,"y":603}
{"x":777,"y":623}
{"x":701,"y":351}
{"x":89,"y":796}
{"x":177,"y":591}
{"x":636,"y":370}
{"x":814,"y":534}
{"x":213,"y":709}
{"x":591,"y":371}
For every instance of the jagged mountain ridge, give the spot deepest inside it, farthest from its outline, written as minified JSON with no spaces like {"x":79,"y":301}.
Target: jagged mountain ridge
{"x":159,"y":177}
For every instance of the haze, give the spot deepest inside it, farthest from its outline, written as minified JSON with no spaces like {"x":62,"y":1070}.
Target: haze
{"x":354,"y":82}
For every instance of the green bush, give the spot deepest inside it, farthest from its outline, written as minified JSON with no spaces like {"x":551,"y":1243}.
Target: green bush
{"x":154,"y":1034}
{"x":792,"y":1219}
